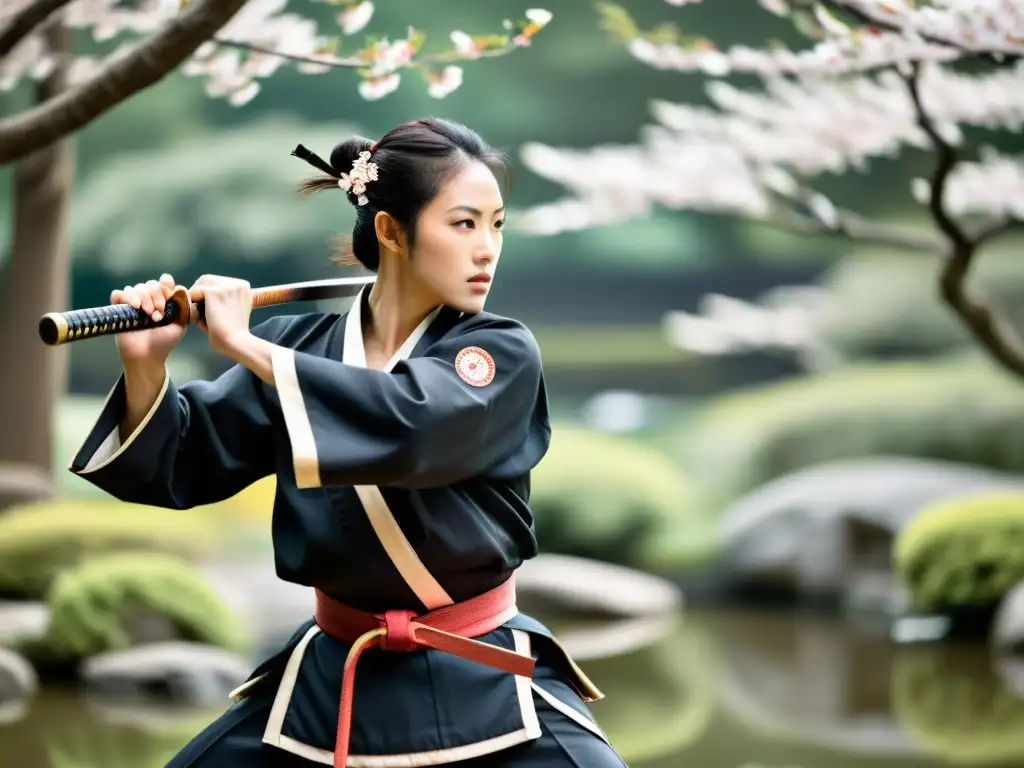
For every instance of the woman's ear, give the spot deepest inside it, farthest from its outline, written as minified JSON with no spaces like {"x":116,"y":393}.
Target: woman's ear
{"x":390,"y":233}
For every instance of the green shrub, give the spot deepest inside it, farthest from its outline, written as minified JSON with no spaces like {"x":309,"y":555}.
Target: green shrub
{"x":38,"y":540}
{"x":965,"y":551}
{"x":608,"y":498}
{"x":94,"y":605}
{"x":961,"y":409}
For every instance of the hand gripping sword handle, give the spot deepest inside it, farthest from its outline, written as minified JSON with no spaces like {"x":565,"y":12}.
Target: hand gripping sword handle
{"x":63,"y":327}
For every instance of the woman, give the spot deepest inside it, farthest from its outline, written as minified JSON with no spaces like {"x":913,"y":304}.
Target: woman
{"x":402,"y":435}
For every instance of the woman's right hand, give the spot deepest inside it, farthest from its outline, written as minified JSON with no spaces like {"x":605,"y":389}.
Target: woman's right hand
{"x":152,"y":345}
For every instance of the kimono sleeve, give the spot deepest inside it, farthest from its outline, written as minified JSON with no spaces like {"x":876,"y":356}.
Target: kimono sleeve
{"x":471,"y":405}
{"x":199,"y":444}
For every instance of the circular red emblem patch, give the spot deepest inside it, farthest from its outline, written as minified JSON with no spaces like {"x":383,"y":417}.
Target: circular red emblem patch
{"x":475,"y":366}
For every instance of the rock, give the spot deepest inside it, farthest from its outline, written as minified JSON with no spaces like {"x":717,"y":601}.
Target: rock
{"x":271,"y":608}
{"x":22,"y":622}
{"x":1008,"y":625}
{"x":18,"y":680}
{"x":178,"y":672}
{"x":828,"y":530}
{"x":579,"y":584}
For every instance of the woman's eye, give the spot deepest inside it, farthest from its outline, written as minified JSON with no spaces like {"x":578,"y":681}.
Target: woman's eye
{"x":467,"y":222}
{"x":499,"y":224}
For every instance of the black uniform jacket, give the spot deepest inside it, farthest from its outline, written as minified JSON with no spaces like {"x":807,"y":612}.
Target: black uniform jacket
{"x":402,"y":488}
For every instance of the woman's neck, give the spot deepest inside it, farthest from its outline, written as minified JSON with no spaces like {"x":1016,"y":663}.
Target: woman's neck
{"x":398,"y":304}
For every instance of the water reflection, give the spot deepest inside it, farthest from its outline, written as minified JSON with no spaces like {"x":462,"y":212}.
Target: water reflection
{"x":722,"y":691}
{"x":62,"y":729}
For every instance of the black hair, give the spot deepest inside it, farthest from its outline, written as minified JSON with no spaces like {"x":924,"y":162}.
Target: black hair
{"x":414,"y":160}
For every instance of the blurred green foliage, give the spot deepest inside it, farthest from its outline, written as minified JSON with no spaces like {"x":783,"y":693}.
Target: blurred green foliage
{"x":605,"y":497}
{"x":92,"y":606}
{"x":967,"y":551}
{"x":959,"y":408}
{"x":38,"y":541}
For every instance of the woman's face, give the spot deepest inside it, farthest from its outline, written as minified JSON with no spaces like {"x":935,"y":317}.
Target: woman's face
{"x":458,"y":239}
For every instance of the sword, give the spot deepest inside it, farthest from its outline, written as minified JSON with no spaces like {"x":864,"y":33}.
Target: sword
{"x":77,"y":324}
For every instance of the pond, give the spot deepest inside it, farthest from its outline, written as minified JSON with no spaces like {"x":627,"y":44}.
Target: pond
{"x":726,"y":690}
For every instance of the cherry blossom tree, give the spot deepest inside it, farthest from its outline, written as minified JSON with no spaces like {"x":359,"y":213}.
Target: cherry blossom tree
{"x":877,"y":76}
{"x":231,"y":47}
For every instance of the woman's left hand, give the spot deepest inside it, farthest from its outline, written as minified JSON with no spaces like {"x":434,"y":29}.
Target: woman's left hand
{"x":227,"y":307}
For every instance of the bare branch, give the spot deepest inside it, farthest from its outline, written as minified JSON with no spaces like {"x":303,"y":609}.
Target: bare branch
{"x":22,"y":23}
{"x":119,"y":79}
{"x":855,"y":227}
{"x":350,"y":62}
{"x":988,"y":326}
{"x":356,"y":62}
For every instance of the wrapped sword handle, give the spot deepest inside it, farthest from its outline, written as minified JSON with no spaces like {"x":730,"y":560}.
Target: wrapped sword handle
{"x":62,"y":327}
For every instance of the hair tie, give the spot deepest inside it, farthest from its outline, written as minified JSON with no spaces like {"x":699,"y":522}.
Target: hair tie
{"x":373,"y":147}
{"x":315,"y":160}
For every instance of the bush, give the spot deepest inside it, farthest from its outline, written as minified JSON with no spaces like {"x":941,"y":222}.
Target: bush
{"x":963,"y":552}
{"x":39,"y":540}
{"x":94,"y":606}
{"x":607,"y":498}
{"x":962,"y":410}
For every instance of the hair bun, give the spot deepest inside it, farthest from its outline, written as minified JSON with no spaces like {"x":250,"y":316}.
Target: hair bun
{"x":343,"y":155}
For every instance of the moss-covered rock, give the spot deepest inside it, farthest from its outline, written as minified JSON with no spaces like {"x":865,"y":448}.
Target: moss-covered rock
{"x":963,"y":552}
{"x":39,"y":540}
{"x":111,"y":602}
{"x":961,"y":409}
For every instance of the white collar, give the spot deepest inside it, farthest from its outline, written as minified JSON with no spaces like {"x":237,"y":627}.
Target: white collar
{"x":354,"y":352}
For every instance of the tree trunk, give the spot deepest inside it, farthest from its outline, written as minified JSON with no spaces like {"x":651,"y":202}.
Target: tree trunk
{"x":35,"y":281}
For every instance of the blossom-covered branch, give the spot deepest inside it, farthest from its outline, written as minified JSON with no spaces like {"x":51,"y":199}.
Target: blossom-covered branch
{"x":232,"y":44}
{"x":380,"y":61}
{"x":832,"y":107}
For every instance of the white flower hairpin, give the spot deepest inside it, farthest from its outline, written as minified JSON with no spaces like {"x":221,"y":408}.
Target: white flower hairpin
{"x":362,"y":173}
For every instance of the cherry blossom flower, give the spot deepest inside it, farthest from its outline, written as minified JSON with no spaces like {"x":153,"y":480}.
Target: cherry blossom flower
{"x":356,"y":180}
{"x":353,"y":17}
{"x":465,"y":44}
{"x":444,"y":82}
{"x":374,"y":88}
